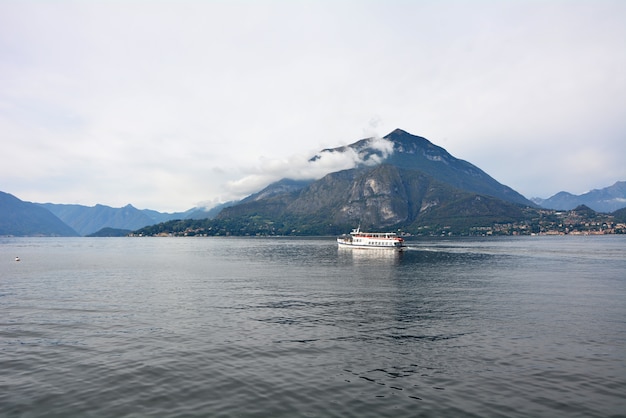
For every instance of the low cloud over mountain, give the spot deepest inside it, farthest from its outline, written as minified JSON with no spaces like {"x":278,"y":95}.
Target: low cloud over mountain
{"x":367,"y":152}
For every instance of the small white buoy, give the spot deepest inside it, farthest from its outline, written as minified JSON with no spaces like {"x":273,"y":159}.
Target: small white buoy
{"x":17,"y":259}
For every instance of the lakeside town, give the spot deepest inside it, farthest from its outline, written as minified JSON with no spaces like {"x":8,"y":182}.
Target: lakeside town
{"x":580,"y":221}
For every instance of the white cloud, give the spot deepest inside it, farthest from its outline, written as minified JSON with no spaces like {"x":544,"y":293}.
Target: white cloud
{"x":312,"y":167}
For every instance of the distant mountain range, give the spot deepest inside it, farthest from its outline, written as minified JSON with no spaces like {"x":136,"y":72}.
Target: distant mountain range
{"x":89,"y":219}
{"x":28,"y":219}
{"x":403,"y":182}
{"x":21,"y":218}
{"x":604,"y":200}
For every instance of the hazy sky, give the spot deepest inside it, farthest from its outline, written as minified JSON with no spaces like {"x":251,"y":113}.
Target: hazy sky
{"x":168,"y":104}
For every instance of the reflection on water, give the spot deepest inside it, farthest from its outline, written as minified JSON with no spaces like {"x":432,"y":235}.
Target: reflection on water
{"x":370,"y":255}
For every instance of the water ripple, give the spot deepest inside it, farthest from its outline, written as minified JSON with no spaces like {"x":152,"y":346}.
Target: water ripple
{"x":283,"y":328}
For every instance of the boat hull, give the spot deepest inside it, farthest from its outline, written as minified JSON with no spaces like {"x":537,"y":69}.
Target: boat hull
{"x":343,"y":244}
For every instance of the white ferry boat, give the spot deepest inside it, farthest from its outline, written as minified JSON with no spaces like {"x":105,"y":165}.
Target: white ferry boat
{"x":379,"y":240}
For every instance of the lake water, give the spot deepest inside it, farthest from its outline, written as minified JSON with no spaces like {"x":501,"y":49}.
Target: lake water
{"x":283,"y":327}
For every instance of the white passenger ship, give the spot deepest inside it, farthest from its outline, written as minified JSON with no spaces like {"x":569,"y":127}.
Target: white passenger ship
{"x":382,"y":240}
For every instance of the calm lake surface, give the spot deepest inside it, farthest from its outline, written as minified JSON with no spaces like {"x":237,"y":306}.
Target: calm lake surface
{"x":283,"y":327}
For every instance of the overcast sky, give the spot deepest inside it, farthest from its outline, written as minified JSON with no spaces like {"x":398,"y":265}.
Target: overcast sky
{"x":169,"y":105}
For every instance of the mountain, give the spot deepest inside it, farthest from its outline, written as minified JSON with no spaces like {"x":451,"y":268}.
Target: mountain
{"x":403,"y":182}
{"x":604,"y":200}
{"x":417,"y":153}
{"x":21,"y":218}
{"x":89,"y":219}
